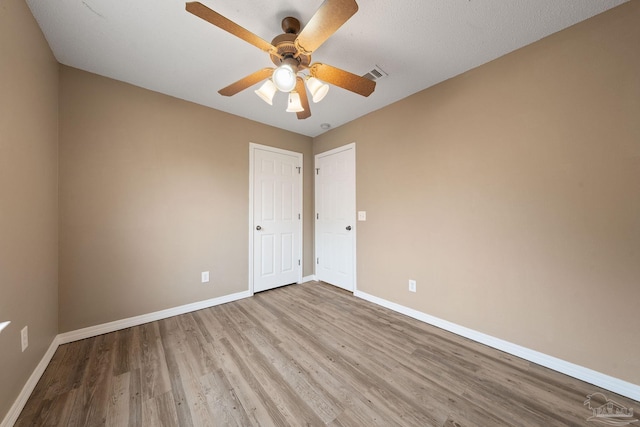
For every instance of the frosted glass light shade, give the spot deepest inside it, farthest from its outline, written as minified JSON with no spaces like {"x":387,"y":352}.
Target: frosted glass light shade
{"x":317,"y":89}
{"x":266,"y":91}
{"x":284,"y":77}
{"x":294,"y":106}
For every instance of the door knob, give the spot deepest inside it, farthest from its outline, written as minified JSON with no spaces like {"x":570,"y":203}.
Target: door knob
{"x":258,"y":228}
{"x":348,"y":228}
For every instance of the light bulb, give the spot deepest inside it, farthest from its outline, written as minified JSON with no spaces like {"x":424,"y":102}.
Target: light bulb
{"x":294,"y":106}
{"x":317,"y":89}
{"x":284,"y":77}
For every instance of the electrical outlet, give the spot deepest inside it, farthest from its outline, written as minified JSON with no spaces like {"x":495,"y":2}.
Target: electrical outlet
{"x":412,"y":285}
{"x":24,"y":334}
{"x":205,"y":277}
{"x":362,"y":215}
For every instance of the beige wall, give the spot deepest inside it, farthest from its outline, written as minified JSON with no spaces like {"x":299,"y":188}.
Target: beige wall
{"x":153,"y":190}
{"x":512,"y":195}
{"x":28,"y":196}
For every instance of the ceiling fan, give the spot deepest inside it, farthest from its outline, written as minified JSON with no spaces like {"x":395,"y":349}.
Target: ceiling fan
{"x":291,"y":53}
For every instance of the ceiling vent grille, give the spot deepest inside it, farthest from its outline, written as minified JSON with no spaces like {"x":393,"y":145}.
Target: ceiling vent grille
{"x":375,"y":74}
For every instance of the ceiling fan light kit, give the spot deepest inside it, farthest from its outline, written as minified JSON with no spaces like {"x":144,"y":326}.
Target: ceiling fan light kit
{"x":317,"y":89}
{"x":294,"y":105}
{"x":267,"y":91}
{"x":284,"y":77}
{"x":291,"y":54}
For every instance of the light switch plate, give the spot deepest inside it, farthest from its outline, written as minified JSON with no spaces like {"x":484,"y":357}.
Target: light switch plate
{"x":362,"y":215}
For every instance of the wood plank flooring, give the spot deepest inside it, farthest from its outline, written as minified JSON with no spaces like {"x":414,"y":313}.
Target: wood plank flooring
{"x":302,"y":355}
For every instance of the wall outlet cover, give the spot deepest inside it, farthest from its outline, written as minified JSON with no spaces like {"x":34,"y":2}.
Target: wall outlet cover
{"x":412,"y":286}
{"x":205,"y":277}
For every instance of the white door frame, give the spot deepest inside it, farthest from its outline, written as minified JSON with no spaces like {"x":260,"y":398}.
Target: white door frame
{"x":355,"y":222}
{"x":252,"y":147}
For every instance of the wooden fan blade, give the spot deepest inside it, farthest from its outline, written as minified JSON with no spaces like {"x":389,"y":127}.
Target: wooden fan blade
{"x":344,"y":79}
{"x":246,"y":82}
{"x":302,"y":91}
{"x":213,"y":17}
{"x":328,"y":18}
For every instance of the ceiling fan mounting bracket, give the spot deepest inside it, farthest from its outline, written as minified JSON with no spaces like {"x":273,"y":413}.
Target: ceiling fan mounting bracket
{"x":290,"y":25}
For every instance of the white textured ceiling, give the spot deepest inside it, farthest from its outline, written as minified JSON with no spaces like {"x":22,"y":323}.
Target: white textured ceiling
{"x":157,"y":45}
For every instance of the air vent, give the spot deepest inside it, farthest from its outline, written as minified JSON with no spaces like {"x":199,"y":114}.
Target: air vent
{"x":376,"y":73}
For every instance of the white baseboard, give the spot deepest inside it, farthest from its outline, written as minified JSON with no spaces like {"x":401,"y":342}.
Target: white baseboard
{"x":590,"y":376}
{"x":17,"y":407}
{"x":116,"y":325}
{"x":306,"y":279}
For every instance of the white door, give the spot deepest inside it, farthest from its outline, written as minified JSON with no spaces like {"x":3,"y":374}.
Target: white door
{"x":336,"y":216}
{"x":276,"y":221}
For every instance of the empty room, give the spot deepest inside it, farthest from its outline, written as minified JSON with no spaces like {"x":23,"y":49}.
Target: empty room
{"x":325,"y":213}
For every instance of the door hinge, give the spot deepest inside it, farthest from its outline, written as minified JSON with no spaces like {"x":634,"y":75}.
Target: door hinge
{"x":299,"y":217}
{"x":317,"y":260}
{"x":317,"y":216}
{"x":317,"y":171}
{"x":298,"y":262}
{"x":299,"y":169}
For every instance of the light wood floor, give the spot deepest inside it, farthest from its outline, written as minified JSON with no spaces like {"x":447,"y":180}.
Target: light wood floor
{"x":300,"y":355}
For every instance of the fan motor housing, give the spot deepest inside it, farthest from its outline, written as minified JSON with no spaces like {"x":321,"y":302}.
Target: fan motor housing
{"x":285,"y":44}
